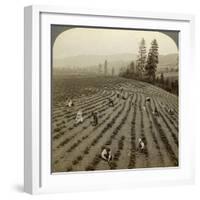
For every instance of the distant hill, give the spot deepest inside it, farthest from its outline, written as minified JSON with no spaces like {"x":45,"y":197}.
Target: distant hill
{"x":90,"y":60}
{"x":117,"y":61}
{"x":170,"y":60}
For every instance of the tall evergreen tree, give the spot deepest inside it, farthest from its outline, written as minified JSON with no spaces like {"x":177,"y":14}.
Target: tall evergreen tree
{"x":100,"y":69}
{"x":132,"y":68}
{"x":152,"y":61}
{"x":162,"y":78}
{"x":141,"y":60}
{"x":106,"y":68}
{"x":113,"y":71}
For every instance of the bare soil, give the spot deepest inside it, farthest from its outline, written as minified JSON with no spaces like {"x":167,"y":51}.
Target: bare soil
{"x":78,"y":147}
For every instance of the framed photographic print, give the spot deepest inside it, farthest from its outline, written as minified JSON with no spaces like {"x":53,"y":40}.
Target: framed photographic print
{"x":107,"y":99}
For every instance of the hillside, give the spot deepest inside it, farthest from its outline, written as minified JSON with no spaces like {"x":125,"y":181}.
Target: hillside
{"x":78,"y":146}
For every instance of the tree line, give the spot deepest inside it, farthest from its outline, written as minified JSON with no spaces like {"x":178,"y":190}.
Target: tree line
{"x":145,"y":67}
{"x":103,"y":69}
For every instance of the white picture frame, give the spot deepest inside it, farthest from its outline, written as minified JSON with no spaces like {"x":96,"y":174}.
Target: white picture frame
{"x":37,"y":173}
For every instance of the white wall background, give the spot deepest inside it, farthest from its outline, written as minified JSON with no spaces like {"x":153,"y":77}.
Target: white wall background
{"x":11,"y":100}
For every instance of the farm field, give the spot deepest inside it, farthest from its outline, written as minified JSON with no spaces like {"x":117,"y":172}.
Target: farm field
{"x":77,"y":147}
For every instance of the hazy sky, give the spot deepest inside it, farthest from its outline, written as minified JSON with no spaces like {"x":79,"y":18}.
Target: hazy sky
{"x":87,"y":41}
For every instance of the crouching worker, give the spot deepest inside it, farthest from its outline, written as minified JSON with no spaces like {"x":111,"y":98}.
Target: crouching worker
{"x":171,"y":111}
{"x":106,"y":154}
{"x":118,"y":94}
{"x":69,"y":103}
{"x":79,"y":117}
{"x":110,"y":102}
{"x":141,"y":145}
{"x":155,"y":112}
{"x":95,"y":119}
{"x":147,"y":100}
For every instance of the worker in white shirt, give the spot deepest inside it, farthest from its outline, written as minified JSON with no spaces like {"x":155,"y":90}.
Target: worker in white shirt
{"x":141,"y":145}
{"x":106,"y":154}
{"x":79,"y":117}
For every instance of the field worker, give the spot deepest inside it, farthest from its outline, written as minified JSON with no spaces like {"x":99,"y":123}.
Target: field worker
{"x":171,"y":111}
{"x":95,"y":118}
{"x":79,"y":117}
{"x":156,"y":113}
{"x":69,"y":102}
{"x":141,"y":145}
{"x":110,"y":102}
{"x":106,"y":154}
{"x":147,"y":100}
{"x":118,"y":94}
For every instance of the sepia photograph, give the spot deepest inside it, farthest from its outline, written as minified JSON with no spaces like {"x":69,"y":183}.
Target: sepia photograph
{"x":114,"y":98}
